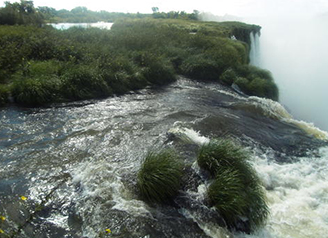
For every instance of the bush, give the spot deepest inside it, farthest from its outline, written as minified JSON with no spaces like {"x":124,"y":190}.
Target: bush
{"x":158,"y":70}
{"x":159,"y":177}
{"x":236,"y":191}
{"x":84,"y":82}
{"x":44,"y":68}
{"x":36,"y":91}
{"x":228,"y":76}
{"x":200,"y":67}
{"x":263,"y":88}
{"x":221,"y":153}
{"x":4,"y":94}
{"x":256,"y":82}
{"x":121,"y":74}
{"x":227,"y":195}
{"x":243,"y":84}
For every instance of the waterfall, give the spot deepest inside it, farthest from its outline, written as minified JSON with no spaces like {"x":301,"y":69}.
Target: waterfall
{"x":254,"y":53}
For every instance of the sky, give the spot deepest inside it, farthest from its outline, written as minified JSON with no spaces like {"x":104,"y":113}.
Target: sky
{"x":219,"y":7}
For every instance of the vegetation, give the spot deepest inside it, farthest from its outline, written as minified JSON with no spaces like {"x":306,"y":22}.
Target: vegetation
{"x":20,"y":13}
{"x":252,"y":81}
{"x":24,"y":13}
{"x":40,"y":65}
{"x":236,"y":191}
{"x":159,"y":177}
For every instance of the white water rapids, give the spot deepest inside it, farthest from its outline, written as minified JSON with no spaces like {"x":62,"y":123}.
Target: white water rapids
{"x":82,"y":160}
{"x":297,"y":194}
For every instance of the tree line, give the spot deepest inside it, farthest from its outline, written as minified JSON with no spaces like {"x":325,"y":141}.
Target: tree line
{"x":25,"y":13}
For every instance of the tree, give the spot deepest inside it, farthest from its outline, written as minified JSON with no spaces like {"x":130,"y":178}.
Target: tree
{"x":155,"y":9}
{"x":22,"y":13}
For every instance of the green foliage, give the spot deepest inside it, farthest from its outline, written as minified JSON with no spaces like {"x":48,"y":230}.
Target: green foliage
{"x":4,"y":94}
{"x":255,"y":81}
{"x":133,"y":54}
{"x":236,"y":191}
{"x":36,"y":91}
{"x":159,"y":176}
{"x":22,"y":13}
{"x":200,"y":67}
{"x":158,"y":70}
{"x":84,"y":82}
{"x":227,"y":193}
{"x":222,"y":153}
{"x":263,"y":88}
{"x":242,"y":83}
{"x":228,"y":76}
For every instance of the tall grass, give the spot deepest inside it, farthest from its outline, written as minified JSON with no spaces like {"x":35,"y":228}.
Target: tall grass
{"x":236,"y":191}
{"x":132,"y":55}
{"x":159,"y":177}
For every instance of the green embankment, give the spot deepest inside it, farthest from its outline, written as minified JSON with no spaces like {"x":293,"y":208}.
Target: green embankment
{"x":44,"y":65}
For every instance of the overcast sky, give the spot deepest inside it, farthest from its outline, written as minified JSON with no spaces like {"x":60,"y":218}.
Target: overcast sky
{"x":219,"y":7}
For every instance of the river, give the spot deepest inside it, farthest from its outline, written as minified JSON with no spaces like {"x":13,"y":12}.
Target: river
{"x":76,"y":164}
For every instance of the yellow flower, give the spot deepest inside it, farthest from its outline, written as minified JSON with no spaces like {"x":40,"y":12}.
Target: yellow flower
{"x":1,"y":231}
{"x":23,"y":198}
{"x":2,"y":218}
{"x":108,"y":231}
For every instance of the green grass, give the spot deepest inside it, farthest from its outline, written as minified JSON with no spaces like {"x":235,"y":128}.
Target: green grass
{"x":134,"y":54}
{"x":236,"y":190}
{"x":221,"y":153}
{"x":159,"y":177}
{"x":252,"y":81}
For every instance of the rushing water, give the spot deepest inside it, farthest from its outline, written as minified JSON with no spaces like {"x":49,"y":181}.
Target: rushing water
{"x":77,"y":164}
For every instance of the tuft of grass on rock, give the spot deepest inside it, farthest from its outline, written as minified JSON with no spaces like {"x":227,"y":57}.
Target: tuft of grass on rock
{"x":159,"y":177}
{"x":221,"y":153}
{"x":237,"y":191}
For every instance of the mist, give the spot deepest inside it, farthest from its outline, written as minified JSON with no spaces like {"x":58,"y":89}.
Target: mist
{"x":295,"y":50}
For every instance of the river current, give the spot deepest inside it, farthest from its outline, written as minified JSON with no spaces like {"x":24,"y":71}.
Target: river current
{"x":76,"y":164}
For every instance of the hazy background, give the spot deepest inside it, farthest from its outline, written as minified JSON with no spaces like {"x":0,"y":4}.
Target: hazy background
{"x":293,"y":42}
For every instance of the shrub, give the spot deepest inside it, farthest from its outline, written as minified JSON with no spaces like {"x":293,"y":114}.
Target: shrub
{"x":36,"y":91}
{"x":243,"y":84}
{"x":84,"y":82}
{"x":228,"y":76}
{"x":221,"y":153}
{"x":200,"y":67}
{"x":227,"y":194}
{"x":236,"y":191}
{"x":263,"y":88}
{"x":122,"y":74}
{"x":158,"y":71}
{"x":4,"y":94}
{"x":44,"y":68}
{"x":159,"y":176}
{"x":255,"y":81}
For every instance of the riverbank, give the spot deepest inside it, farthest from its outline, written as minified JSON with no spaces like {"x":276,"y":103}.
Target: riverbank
{"x":42,"y":65}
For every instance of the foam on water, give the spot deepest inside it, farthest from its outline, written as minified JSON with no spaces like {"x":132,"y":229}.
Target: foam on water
{"x":297,"y":194}
{"x":103,"y":179}
{"x":298,"y":197}
{"x":275,"y":110}
{"x":189,"y":135}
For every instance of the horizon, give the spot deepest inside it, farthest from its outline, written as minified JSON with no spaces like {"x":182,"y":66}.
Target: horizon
{"x":239,"y":8}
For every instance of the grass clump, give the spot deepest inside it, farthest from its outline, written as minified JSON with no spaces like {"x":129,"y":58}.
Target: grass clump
{"x":237,"y":191}
{"x":35,"y":91}
{"x":252,"y":81}
{"x":159,"y":177}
